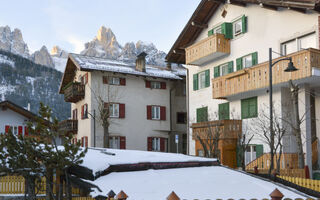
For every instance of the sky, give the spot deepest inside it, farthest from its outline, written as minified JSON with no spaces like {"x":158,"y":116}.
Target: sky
{"x":71,"y":23}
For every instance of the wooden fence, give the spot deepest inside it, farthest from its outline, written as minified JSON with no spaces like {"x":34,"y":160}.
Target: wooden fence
{"x":300,"y":173}
{"x":307,"y":183}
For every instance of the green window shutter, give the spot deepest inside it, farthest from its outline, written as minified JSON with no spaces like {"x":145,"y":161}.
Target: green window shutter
{"x":230,"y":67}
{"x":205,"y":114}
{"x":239,"y":64}
{"x":198,"y":114}
{"x":216,"y":71}
{"x":249,"y":108}
{"x":226,"y":29}
{"x":195,"y":82}
{"x":202,"y":114}
{"x":244,"y":109}
{"x":239,"y":152}
{"x":244,"y":24}
{"x":253,"y":107}
{"x":254,"y":58}
{"x":224,"y":111}
{"x":207,"y":78}
{"x":259,"y":150}
{"x":210,"y":32}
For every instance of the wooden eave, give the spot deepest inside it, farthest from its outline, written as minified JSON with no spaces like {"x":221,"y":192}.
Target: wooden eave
{"x":18,"y":109}
{"x":207,"y":8}
{"x":69,"y":73}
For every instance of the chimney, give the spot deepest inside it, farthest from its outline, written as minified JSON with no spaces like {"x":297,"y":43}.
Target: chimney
{"x":28,"y":107}
{"x":169,"y":65}
{"x":141,"y":62}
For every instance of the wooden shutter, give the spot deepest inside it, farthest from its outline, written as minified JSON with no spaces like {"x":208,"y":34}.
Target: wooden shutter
{"x":149,"y":108}
{"x":86,"y":78}
{"x":82,"y":107}
{"x":163,"y":85}
{"x":148,"y":84}
{"x":216,"y":71}
{"x":224,"y":111}
{"x":254,"y":58}
{"x":162,"y":144}
{"x":85,"y":141}
{"x":226,"y":29}
{"x":230,"y":67}
{"x":82,"y":141}
{"x":122,"y":81}
{"x":162,"y":113}
{"x":149,"y":143}
{"x":105,"y":80}
{"x":26,"y":133}
{"x":259,"y":150}
{"x":244,"y":109}
{"x":19,"y":130}
{"x":239,"y":63}
{"x":7,"y":128}
{"x":122,"y":142}
{"x":210,"y":32}
{"x":122,"y":111}
{"x":207,"y":78}
{"x":244,"y":24}
{"x":195,"y":82}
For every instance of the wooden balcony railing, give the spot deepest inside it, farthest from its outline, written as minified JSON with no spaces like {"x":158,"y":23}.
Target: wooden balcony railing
{"x":257,"y":77}
{"x":68,"y":126}
{"x":228,"y":129}
{"x":74,"y":92}
{"x":206,"y":50}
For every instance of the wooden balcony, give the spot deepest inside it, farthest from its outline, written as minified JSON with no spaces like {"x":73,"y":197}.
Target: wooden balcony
{"x":209,"y":49}
{"x":228,"y":129}
{"x":257,"y":77}
{"x":74,"y":92}
{"x":68,"y":126}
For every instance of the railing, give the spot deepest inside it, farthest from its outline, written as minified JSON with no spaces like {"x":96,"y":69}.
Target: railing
{"x":299,"y":173}
{"x":208,"y":49}
{"x":287,"y":161}
{"x":68,"y":126}
{"x":257,"y":77}
{"x":74,"y":92}
{"x":229,"y":129}
{"x":315,"y":152}
{"x":307,"y":183}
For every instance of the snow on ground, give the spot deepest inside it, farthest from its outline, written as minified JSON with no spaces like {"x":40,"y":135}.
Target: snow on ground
{"x":97,"y":160}
{"x":59,"y":63}
{"x":4,"y":59}
{"x":189,"y":183}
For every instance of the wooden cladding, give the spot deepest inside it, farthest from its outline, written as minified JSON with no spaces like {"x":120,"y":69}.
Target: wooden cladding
{"x":257,"y":77}
{"x":207,"y":49}
{"x":68,"y":126}
{"x":229,"y":129}
{"x":74,"y":92}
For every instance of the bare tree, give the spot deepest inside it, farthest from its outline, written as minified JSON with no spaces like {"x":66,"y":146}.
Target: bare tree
{"x":243,"y":141}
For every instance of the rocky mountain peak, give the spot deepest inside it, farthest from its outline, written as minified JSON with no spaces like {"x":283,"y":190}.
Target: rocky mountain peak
{"x":13,"y":41}
{"x":56,"y":51}
{"x":43,"y":57}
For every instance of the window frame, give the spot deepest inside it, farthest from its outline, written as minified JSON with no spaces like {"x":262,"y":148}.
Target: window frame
{"x":244,"y":61}
{"x":155,"y":84}
{"x":113,"y":82}
{"x":202,"y":118}
{"x":202,"y":83}
{"x":113,"y":140}
{"x":234,"y":23}
{"x":156,"y":144}
{"x":224,"y":66}
{"x":247,"y":104}
{"x":155,"y":112}
{"x":223,"y":116}
{"x":111,"y":108}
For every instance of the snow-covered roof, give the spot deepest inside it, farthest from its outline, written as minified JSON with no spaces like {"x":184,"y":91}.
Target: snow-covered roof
{"x":214,"y":182}
{"x":102,"y":64}
{"x":100,"y":159}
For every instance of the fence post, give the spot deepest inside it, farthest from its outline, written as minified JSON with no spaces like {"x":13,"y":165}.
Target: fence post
{"x":173,"y":196}
{"x":122,"y":196}
{"x":111,"y":195}
{"x":276,"y":195}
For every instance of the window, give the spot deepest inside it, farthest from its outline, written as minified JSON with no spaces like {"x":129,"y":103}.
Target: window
{"x":299,"y":43}
{"x":247,"y":61}
{"x":224,"y":69}
{"x":84,"y":79}
{"x":114,"y":81}
{"x":202,"y":114}
{"x":237,"y":27}
{"x":114,"y":142}
{"x":218,"y":30}
{"x":155,"y":112}
{"x":114,"y":109}
{"x":249,"y":108}
{"x":288,"y":47}
{"x":157,"y":144}
{"x":75,"y":114}
{"x":155,"y":85}
{"x":84,"y":111}
{"x":224,"y":111}
{"x":181,"y":118}
{"x":200,"y":153}
{"x":202,"y":80}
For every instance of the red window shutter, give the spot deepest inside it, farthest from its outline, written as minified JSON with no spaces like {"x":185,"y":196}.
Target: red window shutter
{"x":106,"y":105}
{"x":86,"y":141}
{"x":163,"y":85}
{"x":82,"y":141}
{"x":86,"y":79}
{"x":122,"y":110}
{"x":122,"y":81}
{"x":82,"y":107}
{"x":149,"y":112}
{"x":148,"y":84}
{"x":76,"y":113}
{"x":162,"y":144}
{"x":149,"y":143}
{"x":7,"y":127}
{"x":26,"y":133}
{"x":105,"y":80}
{"x":19,"y":130}
{"x":162,"y":113}
{"x":81,"y":79}
{"x":122,"y":142}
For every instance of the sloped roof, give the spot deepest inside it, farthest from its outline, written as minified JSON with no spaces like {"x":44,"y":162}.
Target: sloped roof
{"x":89,"y":63}
{"x":207,"y":8}
{"x":18,"y":109}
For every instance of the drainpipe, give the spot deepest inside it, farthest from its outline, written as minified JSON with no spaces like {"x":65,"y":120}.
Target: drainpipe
{"x":170,"y":114}
{"x":188,"y":116}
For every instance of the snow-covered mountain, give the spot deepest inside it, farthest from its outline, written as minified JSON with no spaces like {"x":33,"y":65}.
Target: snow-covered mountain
{"x":104,"y":45}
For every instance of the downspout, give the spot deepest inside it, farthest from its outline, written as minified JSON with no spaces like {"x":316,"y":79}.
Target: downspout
{"x":188,"y":119}
{"x":170,"y":132}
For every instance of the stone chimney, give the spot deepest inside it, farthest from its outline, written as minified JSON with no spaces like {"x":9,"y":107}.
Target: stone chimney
{"x":141,"y":62}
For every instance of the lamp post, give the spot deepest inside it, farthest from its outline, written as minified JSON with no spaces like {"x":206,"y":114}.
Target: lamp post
{"x":290,"y":68}
{"x":94,"y":127}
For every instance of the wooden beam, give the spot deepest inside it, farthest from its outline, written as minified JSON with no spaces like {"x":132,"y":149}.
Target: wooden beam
{"x":268,"y":7}
{"x":238,"y":3}
{"x":179,"y":51}
{"x":298,"y":9}
{"x":199,"y":25}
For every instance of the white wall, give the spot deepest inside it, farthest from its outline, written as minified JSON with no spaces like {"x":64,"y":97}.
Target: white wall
{"x":11,"y":118}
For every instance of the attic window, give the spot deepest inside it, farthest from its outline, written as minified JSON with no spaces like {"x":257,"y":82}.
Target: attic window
{"x":237,"y":27}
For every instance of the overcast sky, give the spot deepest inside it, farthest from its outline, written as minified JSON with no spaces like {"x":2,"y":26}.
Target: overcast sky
{"x":71,"y":23}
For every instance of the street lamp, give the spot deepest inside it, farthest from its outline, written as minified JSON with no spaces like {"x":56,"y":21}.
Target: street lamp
{"x":290,"y":68}
{"x":94,"y":126}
